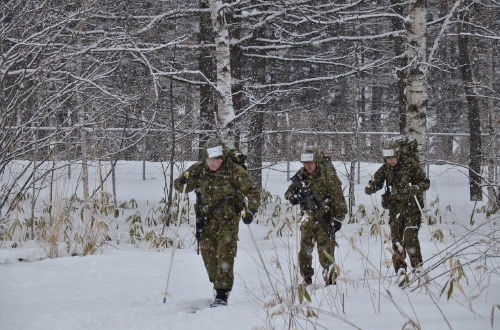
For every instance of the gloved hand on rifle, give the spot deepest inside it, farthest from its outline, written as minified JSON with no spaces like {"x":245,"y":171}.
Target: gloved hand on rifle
{"x":337,"y":224}
{"x":248,"y":216}
{"x":294,"y":199}
{"x":370,"y":189}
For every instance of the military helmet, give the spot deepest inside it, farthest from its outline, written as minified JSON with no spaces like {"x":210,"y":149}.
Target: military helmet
{"x":391,"y":148}
{"x":311,"y":154}
{"x":214,"y":148}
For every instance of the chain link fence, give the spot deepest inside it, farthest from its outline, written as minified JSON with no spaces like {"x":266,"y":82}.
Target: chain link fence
{"x":446,"y":156}
{"x":146,"y":157}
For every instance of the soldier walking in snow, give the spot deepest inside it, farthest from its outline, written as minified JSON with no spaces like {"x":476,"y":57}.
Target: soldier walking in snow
{"x":221,"y":186}
{"x":405,"y":179}
{"x":318,"y":190}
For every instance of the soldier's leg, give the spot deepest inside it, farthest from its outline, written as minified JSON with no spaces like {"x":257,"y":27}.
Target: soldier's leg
{"x":306,"y":249}
{"x":326,"y":244}
{"x":227,"y":237}
{"x":411,"y":242}
{"x":398,"y":251}
{"x":208,"y":248}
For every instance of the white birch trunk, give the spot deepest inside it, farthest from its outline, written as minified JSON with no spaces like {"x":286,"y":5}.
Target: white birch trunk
{"x":225,"y":112}
{"x":416,"y":88}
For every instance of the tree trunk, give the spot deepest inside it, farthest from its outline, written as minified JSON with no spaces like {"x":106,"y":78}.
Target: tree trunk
{"x":256,"y":144}
{"x":416,"y":88}
{"x":354,"y":144}
{"x":399,"y":50}
{"x":473,"y":113}
{"x":81,"y":123}
{"x":206,"y":67}
{"x":234,"y":22}
{"x":225,"y":110}
{"x":492,"y":198}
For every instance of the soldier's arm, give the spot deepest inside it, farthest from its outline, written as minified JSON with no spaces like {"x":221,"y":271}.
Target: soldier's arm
{"x":419,"y":177}
{"x":194,"y":173}
{"x":244,"y":182}
{"x":378,"y":178}
{"x":337,"y":197}
{"x":292,"y":190}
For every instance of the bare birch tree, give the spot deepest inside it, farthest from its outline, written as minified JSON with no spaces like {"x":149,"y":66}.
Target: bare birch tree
{"x":225,"y":108}
{"x":416,"y":87}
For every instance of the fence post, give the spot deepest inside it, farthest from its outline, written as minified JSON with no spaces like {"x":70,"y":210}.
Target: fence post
{"x":427,"y":152}
{"x":358,"y":156}
{"x":68,"y":148}
{"x":144,"y":157}
{"x":496,"y":161}
{"x":288,"y":142}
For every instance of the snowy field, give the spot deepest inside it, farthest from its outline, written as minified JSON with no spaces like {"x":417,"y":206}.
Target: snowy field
{"x":122,"y":285}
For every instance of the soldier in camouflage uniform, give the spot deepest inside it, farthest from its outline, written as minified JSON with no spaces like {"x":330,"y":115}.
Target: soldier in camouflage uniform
{"x":405,"y":179}
{"x":321,"y":218}
{"x":222,"y":186}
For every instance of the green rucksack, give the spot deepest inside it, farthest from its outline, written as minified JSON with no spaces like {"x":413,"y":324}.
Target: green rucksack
{"x":408,"y":146}
{"x":327,"y":162}
{"x":236,"y":156}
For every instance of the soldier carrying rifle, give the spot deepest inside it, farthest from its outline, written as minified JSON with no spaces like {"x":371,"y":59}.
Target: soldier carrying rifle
{"x":221,"y":187}
{"x":317,"y":189}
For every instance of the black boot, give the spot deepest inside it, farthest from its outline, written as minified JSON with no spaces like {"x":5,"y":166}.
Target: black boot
{"x":220,"y":298}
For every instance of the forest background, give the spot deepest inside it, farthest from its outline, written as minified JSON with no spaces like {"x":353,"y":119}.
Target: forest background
{"x":87,"y":83}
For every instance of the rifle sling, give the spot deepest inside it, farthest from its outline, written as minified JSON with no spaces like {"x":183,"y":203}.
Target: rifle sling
{"x":219,"y":203}
{"x":200,"y":223}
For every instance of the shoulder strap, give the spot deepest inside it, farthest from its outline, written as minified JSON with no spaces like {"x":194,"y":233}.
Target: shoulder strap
{"x":219,"y":203}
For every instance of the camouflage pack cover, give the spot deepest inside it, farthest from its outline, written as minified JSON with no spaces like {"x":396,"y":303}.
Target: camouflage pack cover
{"x":404,"y":145}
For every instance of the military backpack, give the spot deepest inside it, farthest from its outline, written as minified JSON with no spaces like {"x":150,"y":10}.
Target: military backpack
{"x":237,"y":156}
{"x":327,"y":163}
{"x":408,"y":146}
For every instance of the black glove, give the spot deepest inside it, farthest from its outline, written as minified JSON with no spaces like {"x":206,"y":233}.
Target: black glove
{"x":248,"y":218}
{"x":183,"y":179}
{"x":337,"y":224}
{"x":294,"y":199}
{"x":370,"y":188}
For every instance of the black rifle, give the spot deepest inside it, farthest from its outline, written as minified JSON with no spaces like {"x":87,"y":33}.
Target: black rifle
{"x":307,"y":197}
{"x":199,"y":219}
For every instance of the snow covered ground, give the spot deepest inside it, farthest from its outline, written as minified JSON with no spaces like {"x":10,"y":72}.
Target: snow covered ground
{"x":123,"y":287}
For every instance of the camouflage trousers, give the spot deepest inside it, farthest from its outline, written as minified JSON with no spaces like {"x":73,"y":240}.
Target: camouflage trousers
{"x":405,"y":223}
{"x":313,"y":232}
{"x":218,"y":249}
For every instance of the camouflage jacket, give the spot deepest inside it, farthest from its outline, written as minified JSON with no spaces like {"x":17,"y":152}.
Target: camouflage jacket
{"x":407,"y":171}
{"x":326,"y":187}
{"x":229,"y":180}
